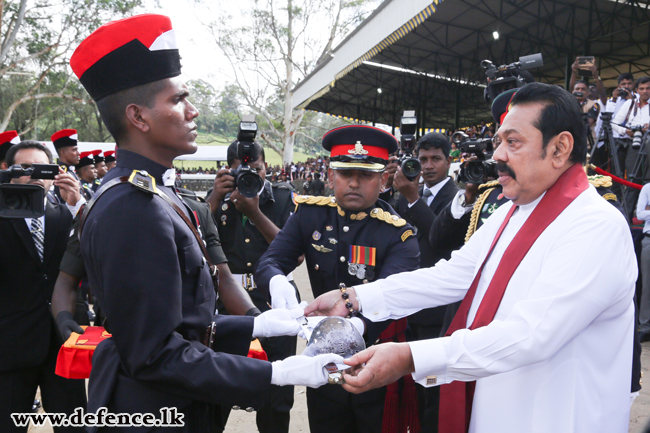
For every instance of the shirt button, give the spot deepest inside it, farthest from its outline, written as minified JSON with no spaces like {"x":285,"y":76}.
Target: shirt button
{"x":316,"y":267}
{"x":342,"y":258}
{"x":346,"y":228}
{"x":247,"y":240}
{"x":249,"y":264}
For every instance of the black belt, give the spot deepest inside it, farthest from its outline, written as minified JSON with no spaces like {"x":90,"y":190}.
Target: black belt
{"x":646,"y":234}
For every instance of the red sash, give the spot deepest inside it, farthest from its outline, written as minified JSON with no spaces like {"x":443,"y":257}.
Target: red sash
{"x":456,"y":397}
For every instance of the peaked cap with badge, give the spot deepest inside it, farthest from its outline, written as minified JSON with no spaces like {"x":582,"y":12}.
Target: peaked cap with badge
{"x":7,"y":139}
{"x":64,"y":138}
{"x":359,"y":147}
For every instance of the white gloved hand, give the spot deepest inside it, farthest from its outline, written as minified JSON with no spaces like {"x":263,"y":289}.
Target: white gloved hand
{"x":303,"y":370}
{"x":283,"y":294}
{"x":274,"y":323}
{"x":358,"y":323}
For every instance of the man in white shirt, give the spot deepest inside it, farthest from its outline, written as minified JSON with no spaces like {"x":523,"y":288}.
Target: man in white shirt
{"x":633,"y":113}
{"x":643,"y":213}
{"x":545,"y":328}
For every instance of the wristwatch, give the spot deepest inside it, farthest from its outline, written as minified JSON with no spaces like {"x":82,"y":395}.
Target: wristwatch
{"x":462,"y":201}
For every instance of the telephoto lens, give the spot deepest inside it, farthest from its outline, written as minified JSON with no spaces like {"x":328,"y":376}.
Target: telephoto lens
{"x":636,"y":140}
{"x":411,"y":167}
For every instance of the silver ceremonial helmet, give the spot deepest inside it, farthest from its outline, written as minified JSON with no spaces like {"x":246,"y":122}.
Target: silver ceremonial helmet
{"x":333,"y":335}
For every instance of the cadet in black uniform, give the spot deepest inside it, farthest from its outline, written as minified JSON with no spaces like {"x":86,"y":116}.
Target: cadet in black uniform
{"x":65,"y":143}
{"x":351,"y":238}
{"x":143,"y":258}
{"x":87,"y":174}
{"x":246,"y":227}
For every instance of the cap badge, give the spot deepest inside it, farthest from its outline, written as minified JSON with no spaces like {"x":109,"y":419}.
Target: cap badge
{"x":358,"y":149}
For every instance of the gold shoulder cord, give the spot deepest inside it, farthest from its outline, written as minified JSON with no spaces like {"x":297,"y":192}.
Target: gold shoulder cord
{"x":476,"y":211}
{"x":387,"y":217}
{"x":315,"y":200}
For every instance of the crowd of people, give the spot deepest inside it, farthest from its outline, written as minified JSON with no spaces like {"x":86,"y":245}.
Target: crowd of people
{"x":483,"y":307}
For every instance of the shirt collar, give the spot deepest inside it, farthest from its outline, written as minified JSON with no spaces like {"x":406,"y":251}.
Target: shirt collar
{"x":135,"y":161}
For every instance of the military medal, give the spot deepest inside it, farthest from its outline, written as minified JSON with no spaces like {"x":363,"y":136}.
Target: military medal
{"x":329,"y":228}
{"x":321,"y":249}
{"x":316,"y":235}
{"x":224,"y":218}
{"x":333,"y":241}
{"x":225,"y":206}
{"x":362,"y":260}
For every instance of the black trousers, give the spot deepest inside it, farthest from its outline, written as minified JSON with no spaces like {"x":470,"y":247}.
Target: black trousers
{"x":58,"y":395}
{"x":334,"y":410}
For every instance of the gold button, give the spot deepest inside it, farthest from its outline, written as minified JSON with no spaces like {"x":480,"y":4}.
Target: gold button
{"x":223,"y":223}
{"x":247,"y":240}
{"x":346,"y":228}
{"x":249,"y":264}
{"x":316,"y":267}
{"x":342,"y":258}
{"x":353,"y":216}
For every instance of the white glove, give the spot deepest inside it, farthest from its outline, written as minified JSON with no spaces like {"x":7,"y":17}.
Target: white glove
{"x":358,"y":323}
{"x":303,"y":370}
{"x":283,"y":294}
{"x":274,"y":323}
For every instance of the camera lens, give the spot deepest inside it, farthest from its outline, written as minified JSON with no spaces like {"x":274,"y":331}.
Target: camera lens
{"x":249,"y":183}
{"x":475,"y":172}
{"x":14,"y":202}
{"x":636,"y":141}
{"x":411,"y":168}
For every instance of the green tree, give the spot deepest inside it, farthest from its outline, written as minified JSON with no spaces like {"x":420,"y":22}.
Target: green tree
{"x":279,"y":43}
{"x":37,"y":38}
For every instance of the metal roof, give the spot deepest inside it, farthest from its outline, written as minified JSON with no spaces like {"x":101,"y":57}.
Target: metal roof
{"x":426,"y":56}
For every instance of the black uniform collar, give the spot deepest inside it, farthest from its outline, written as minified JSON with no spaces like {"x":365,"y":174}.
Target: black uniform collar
{"x":267,"y":193}
{"x":135,"y":161}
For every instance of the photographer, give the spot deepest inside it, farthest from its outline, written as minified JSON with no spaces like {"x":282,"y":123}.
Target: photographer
{"x":590,"y":109}
{"x":602,"y":95}
{"x":633,"y":113}
{"x":246,"y":227}
{"x":419,"y":204}
{"x":29,"y":264}
{"x":622,"y":93}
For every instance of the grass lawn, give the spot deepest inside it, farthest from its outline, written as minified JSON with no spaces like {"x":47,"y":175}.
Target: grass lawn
{"x":204,"y":139}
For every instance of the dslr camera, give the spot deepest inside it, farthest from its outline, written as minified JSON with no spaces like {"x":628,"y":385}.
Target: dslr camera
{"x":409,"y":164}
{"x":637,"y":139}
{"x":247,"y":181}
{"x":476,"y":172}
{"x":19,"y":200}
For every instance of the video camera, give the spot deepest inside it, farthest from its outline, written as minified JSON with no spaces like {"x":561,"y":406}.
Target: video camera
{"x":410,"y":165}
{"x":476,"y":172}
{"x":508,"y":77}
{"x":19,"y":200}
{"x":247,"y":181}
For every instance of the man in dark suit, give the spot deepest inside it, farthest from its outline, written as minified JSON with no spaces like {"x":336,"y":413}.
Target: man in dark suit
{"x":29,"y":263}
{"x":419,"y":204}
{"x":317,"y":186}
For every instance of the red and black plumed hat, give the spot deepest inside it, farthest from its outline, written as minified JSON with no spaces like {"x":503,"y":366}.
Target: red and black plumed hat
{"x":127,"y":53}
{"x":64,"y":138}
{"x":7,"y":139}
{"x":109,"y":156}
{"x":359,"y":147}
{"x":97,"y":155}
{"x":85,"y":159}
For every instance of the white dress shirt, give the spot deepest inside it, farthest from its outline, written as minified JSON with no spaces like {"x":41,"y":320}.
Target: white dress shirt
{"x":641,"y":212}
{"x":558,"y":355}
{"x":641,"y":117}
{"x":435,"y":189}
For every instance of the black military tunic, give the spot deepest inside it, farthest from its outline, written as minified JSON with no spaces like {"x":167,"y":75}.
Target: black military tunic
{"x":155,"y":287}
{"x":350,"y":248}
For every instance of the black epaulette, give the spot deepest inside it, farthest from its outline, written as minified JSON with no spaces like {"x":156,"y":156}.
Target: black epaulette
{"x":143,"y":181}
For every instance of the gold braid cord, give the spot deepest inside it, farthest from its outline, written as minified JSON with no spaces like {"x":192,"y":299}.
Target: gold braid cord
{"x":598,"y":180}
{"x":387,"y":217}
{"x":490,"y":184}
{"x":476,"y":211}
{"x":317,"y":200}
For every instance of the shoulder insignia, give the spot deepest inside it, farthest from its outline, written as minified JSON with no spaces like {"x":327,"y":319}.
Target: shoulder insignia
{"x":315,"y":200}
{"x":610,"y":197}
{"x":387,"y":217}
{"x":406,"y":234}
{"x":490,"y":184}
{"x":476,"y":212}
{"x":143,"y":181}
{"x":598,"y":180}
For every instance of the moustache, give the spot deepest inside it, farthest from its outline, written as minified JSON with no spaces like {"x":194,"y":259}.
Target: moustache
{"x":502,"y":167}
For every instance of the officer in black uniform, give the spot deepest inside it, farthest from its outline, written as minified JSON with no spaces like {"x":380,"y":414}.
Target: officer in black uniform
{"x":87,"y":174}
{"x":351,"y":238}
{"x":246,"y":227}
{"x":65,"y":143}
{"x":143,"y":257}
{"x":100,"y":166}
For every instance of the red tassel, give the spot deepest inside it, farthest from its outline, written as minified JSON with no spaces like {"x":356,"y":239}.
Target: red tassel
{"x":409,"y":412}
{"x":391,"y":420}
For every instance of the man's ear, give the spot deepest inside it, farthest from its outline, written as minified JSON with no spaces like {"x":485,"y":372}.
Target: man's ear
{"x":136,"y":118}
{"x":330,"y":178}
{"x":562,"y":148}
{"x":384,"y":180}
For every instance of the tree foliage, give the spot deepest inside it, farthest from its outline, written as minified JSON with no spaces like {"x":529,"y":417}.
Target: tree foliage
{"x":37,"y":38}
{"x":277,"y":44}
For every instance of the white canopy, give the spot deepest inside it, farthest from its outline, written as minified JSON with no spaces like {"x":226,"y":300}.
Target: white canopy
{"x":204,"y":153}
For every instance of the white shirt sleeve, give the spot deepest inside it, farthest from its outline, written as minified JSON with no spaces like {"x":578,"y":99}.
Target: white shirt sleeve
{"x":620,"y":117}
{"x":644,"y":200}
{"x":566,"y":297}
{"x":74,"y":209}
{"x":457,"y":211}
